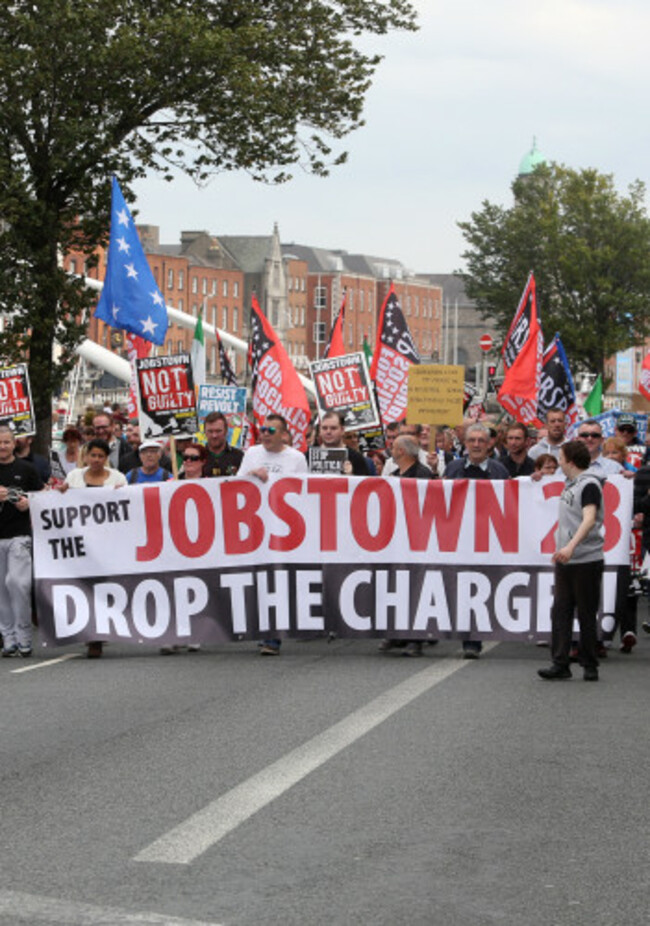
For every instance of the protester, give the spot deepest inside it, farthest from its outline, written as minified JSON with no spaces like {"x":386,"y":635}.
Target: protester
{"x":579,"y":564}
{"x":194,"y":458}
{"x":406,"y":455}
{"x":591,"y":433}
{"x":67,"y":459}
{"x":516,"y":459}
{"x":410,"y":430}
{"x":626,"y":430}
{"x":118,"y":449}
{"x":332,"y":438}
{"x":546,"y":464}
{"x":272,"y":458}
{"x":616,"y":449}
{"x":556,"y":425}
{"x":223,"y":459}
{"x":150,"y":469}
{"x":17,"y":477}
{"x":96,"y":474}
{"x":23,"y":451}
{"x":477,"y":465}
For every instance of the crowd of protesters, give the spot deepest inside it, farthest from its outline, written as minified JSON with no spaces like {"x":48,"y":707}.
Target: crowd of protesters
{"x":104,"y":449}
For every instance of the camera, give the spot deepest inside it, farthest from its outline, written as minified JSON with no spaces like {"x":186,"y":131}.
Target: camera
{"x":13,"y":494}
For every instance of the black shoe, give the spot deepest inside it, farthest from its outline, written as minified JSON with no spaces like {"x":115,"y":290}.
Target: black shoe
{"x":413,"y":649}
{"x":590,"y":674}
{"x":554,"y":673}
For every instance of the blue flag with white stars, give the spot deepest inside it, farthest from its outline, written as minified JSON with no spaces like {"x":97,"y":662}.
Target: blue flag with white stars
{"x":130,"y":298}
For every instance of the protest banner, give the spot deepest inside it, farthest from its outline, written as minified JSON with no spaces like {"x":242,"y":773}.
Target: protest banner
{"x":435,"y":395}
{"x":16,"y":407}
{"x":343,"y":385}
{"x":231,"y":402}
{"x":230,"y":559}
{"x":166,"y":396}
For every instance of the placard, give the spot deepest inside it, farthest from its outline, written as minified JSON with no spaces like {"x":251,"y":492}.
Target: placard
{"x":327,"y":460}
{"x":231,"y":402}
{"x":166,"y":396}
{"x":16,"y":407}
{"x":435,"y":395}
{"x":343,"y":385}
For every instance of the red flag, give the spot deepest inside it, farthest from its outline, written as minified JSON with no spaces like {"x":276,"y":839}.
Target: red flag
{"x":518,"y":331}
{"x":395,"y":351}
{"x":644,"y":381}
{"x":335,"y":346}
{"x":522,"y":358}
{"x":275,"y":384}
{"x":136,"y":347}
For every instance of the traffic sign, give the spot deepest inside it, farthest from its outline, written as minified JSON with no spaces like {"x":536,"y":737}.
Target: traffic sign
{"x":486,"y":342}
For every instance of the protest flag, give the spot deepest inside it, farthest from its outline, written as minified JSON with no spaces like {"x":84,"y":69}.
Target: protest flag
{"x":275,"y":384}
{"x":556,"y":389}
{"x":130,"y":298}
{"x":395,"y":351}
{"x":522,"y":359}
{"x":227,"y":373}
{"x":644,"y":381}
{"x":197,"y":352}
{"x":593,"y":404}
{"x":520,"y":325}
{"x":367,"y":351}
{"x":335,"y":346}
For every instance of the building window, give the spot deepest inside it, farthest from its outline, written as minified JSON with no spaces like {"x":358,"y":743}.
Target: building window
{"x":204,"y":286}
{"x":181,"y":279}
{"x":361,"y":307}
{"x":214,"y":287}
{"x":225,"y":318}
{"x":170,"y":279}
{"x":235,"y":289}
{"x":235,"y":319}
{"x":320,"y":297}
{"x":195,"y":284}
{"x":351,"y":300}
{"x":224,"y":290}
{"x":180,"y":305}
{"x":73,"y":266}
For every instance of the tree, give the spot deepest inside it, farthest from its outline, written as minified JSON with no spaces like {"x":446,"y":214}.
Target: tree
{"x":90,"y":88}
{"x":589,"y":248}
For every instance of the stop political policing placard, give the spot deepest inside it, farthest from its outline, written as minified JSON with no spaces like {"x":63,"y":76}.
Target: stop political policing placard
{"x":166,"y":396}
{"x":16,"y":407}
{"x":343,"y":385}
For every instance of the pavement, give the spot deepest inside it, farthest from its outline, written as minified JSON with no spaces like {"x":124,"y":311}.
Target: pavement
{"x":330,"y":785}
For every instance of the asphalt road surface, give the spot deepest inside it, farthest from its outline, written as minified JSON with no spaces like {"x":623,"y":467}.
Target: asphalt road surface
{"x":330,"y":785}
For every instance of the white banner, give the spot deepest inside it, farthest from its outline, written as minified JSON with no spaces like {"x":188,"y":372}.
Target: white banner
{"x":221,"y":559}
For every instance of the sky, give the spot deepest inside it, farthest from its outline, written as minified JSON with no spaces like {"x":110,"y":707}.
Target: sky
{"x":452,"y":111}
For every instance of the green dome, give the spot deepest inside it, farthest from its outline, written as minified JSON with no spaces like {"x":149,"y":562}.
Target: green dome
{"x":531,"y":160}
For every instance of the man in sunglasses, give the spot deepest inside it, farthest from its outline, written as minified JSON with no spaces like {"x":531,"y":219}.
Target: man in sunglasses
{"x":591,"y":433}
{"x":272,"y":457}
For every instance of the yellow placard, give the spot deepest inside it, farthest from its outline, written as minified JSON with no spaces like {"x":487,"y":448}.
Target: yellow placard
{"x":435,"y":395}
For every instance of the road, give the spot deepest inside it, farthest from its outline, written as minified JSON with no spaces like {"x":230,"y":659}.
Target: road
{"x":331,"y":785}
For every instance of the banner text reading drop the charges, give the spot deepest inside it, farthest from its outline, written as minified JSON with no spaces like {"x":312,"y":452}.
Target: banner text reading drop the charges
{"x":214,"y":560}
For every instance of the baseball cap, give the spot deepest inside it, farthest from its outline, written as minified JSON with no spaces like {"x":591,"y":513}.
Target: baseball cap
{"x":626,"y":421}
{"x":147,"y":444}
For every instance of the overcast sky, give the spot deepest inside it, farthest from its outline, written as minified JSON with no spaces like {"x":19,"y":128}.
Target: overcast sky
{"x":453,"y":109}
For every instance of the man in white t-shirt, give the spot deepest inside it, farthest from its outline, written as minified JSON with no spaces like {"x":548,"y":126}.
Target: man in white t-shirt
{"x":272,"y":458}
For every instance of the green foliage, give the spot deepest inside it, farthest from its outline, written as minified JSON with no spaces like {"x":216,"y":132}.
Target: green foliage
{"x":90,"y":88}
{"x":589,"y":248}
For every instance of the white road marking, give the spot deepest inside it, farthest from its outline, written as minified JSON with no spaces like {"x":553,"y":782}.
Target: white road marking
{"x":185,"y":842}
{"x":45,"y":664}
{"x":34,"y":909}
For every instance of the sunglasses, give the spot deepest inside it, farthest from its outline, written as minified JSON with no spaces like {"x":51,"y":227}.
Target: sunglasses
{"x":190,"y":458}
{"x":266,"y":429}
{"x":586,"y":434}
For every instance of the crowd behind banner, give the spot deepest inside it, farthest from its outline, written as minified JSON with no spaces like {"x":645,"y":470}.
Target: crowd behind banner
{"x":461,"y":551}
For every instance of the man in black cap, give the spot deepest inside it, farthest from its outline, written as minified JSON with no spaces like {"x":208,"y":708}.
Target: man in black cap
{"x":626,"y":430}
